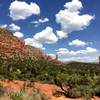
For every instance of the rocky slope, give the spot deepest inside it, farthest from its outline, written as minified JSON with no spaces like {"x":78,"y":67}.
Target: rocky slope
{"x":11,"y":46}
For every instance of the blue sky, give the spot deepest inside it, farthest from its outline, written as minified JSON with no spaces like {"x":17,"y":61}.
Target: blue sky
{"x":69,"y":28}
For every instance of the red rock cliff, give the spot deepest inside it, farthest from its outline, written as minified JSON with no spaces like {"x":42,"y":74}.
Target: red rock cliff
{"x":10,"y":45}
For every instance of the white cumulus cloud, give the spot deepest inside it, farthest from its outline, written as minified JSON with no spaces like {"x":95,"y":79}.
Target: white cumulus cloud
{"x":40,"y":21}
{"x":78,"y":42}
{"x":3,"y":26}
{"x":73,"y":6}
{"x":90,"y":50}
{"x":43,"y":20}
{"x":62,"y":51}
{"x":52,"y":55}
{"x":20,"y":10}
{"x":14,"y":27}
{"x":46,"y":36}
{"x":65,"y":51}
{"x":33,"y":42}
{"x":18,"y":34}
{"x":81,"y":59}
{"x":61,"y":34}
{"x":70,"y":18}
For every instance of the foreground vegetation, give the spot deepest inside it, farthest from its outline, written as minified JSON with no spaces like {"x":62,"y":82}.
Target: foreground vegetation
{"x":22,"y":94}
{"x":75,"y":79}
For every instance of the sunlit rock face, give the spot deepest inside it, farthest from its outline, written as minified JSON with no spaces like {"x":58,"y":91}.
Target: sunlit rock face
{"x":11,"y":45}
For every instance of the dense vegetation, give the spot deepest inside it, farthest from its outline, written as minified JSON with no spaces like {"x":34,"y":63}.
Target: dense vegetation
{"x":75,"y":79}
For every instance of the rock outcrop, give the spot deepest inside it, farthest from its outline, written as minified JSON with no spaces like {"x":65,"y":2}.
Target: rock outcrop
{"x":11,"y":45}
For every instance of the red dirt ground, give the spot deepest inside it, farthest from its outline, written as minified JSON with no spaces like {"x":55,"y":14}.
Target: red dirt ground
{"x":48,"y":89}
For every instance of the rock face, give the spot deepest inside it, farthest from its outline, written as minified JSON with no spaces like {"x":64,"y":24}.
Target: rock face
{"x":10,"y":45}
{"x":37,"y":53}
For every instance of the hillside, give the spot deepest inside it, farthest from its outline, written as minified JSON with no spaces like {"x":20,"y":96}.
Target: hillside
{"x":11,"y":46}
{"x":21,"y":62}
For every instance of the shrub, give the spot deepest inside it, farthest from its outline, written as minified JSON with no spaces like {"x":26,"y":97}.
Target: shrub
{"x":74,"y":93}
{"x":38,"y":95}
{"x":86,"y":91}
{"x":15,"y":95}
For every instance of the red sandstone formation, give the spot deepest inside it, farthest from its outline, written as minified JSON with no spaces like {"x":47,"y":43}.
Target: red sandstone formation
{"x":10,"y":45}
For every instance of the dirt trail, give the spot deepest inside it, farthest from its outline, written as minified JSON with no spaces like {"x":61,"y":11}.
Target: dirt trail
{"x":48,"y":89}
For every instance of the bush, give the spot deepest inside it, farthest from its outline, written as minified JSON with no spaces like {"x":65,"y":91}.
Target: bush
{"x":74,"y":93}
{"x":38,"y":95}
{"x":15,"y":95}
{"x":86,"y":91}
